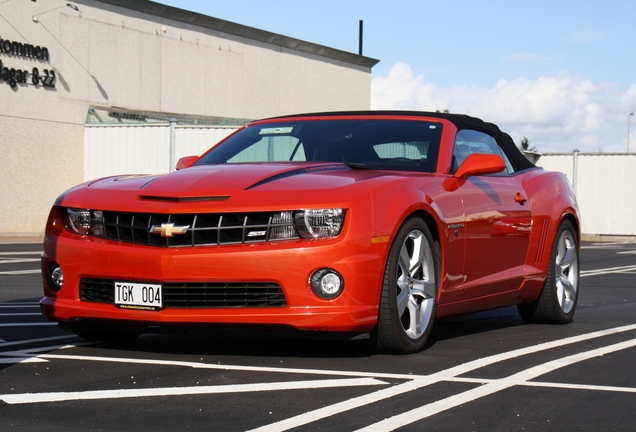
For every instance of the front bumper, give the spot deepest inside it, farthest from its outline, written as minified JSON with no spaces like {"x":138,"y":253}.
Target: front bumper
{"x":288,"y":264}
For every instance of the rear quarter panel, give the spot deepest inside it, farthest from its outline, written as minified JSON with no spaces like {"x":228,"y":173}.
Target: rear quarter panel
{"x":552,"y":200}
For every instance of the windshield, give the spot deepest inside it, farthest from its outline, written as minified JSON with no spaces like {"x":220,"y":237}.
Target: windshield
{"x":406,"y":145}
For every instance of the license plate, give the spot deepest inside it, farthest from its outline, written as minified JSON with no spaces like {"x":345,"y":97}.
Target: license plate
{"x":140,"y":296}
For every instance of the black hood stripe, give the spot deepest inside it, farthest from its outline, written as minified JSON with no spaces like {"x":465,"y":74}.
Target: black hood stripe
{"x":183,"y":199}
{"x":309,"y":170}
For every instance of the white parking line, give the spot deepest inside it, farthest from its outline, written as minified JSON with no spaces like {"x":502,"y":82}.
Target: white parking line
{"x":495,"y":386}
{"x":11,"y":260}
{"x":412,"y":382}
{"x":27,"y":357}
{"x":180,"y":391}
{"x":623,"y":269}
{"x":37,"y":340}
{"x":423,"y":381}
{"x":15,"y":360}
{"x":20,"y":272}
{"x":580,"y":387}
{"x":590,"y":387}
{"x":20,"y":253}
{"x":18,"y":260}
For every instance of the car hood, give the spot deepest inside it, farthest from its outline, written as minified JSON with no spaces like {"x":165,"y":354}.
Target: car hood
{"x":228,"y":179}
{"x":233,"y":183}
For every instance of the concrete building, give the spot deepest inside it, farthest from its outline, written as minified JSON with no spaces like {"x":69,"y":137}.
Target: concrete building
{"x":65,"y":64}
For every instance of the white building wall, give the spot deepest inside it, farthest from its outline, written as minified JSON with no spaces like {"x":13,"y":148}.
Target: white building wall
{"x":116,"y":57}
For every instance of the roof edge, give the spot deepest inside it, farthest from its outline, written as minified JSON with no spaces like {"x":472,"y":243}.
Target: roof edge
{"x":461,"y":121}
{"x":212,"y":23}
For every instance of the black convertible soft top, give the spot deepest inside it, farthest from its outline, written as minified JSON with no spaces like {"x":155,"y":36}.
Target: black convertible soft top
{"x":461,"y":121}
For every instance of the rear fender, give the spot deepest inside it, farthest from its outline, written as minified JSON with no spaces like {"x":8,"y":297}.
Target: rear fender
{"x":552,"y":200}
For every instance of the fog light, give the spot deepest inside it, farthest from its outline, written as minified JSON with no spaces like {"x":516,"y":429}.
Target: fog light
{"x":326,"y":283}
{"x":55,"y":277}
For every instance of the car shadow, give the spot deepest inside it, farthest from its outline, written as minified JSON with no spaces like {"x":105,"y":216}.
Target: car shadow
{"x":252,"y":342}
{"x":243,"y":344}
{"x":475,"y":323}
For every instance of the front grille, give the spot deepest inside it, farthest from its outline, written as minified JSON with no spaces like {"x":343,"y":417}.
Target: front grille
{"x":97,"y":290}
{"x":224,"y":295}
{"x":196,"y":295}
{"x":202,"y":229}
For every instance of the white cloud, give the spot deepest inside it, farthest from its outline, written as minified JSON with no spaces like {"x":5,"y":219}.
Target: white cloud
{"x":557,"y":114}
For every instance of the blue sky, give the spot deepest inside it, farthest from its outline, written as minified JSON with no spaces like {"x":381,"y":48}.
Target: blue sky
{"x":561,"y":73}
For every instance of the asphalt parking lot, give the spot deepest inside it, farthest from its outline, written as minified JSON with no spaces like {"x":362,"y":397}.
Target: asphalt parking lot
{"x":482,"y":372}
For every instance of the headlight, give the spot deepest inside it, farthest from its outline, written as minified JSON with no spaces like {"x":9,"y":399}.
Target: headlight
{"x":319,"y":223}
{"x":84,"y":222}
{"x":282,"y":226}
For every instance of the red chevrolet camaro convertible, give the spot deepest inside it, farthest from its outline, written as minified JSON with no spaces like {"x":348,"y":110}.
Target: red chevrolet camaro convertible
{"x":364,"y":224}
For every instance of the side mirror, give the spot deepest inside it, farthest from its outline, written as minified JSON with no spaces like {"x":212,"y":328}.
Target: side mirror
{"x":186,"y":162}
{"x":480,"y":164}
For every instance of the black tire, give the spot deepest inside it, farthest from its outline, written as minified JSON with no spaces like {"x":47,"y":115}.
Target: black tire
{"x":409,"y":292}
{"x":558,"y":299}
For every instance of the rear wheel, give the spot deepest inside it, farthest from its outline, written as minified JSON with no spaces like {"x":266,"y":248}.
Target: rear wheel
{"x":409,"y":291}
{"x":557,"y":302}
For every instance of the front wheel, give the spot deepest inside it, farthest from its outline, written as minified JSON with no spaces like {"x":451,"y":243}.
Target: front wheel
{"x":409,"y":291}
{"x":557,"y":302}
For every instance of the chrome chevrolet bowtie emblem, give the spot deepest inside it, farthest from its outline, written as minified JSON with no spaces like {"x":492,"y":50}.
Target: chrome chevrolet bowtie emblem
{"x":168,"y":229}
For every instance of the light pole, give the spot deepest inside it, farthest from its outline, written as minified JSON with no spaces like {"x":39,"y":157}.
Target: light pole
{"x":629,"y":118}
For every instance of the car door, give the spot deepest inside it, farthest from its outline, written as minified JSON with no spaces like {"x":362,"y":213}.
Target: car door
{"x":497,"y":222}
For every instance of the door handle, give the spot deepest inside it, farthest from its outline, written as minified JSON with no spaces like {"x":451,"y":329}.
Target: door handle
{"x":520,"y":198}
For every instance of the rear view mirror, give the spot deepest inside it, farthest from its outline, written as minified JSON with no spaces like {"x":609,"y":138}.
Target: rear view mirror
{"x":480,"y":164}
{"x":186,"y":162}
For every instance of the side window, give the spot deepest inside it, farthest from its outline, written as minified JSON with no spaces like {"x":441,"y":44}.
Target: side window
{"x":469,"y":141}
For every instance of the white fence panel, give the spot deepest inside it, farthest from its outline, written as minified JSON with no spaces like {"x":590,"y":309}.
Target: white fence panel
{"x":142,"y":149}
{"x":605,"y":190}
{"x":193,"y":140}
{"x":111,"y":150}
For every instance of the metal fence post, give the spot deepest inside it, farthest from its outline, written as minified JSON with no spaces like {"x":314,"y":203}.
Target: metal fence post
{"x":173,"y":162}
{"x":575,"y":169}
